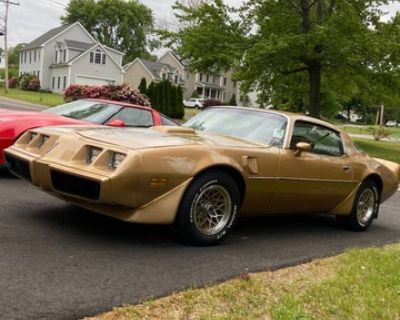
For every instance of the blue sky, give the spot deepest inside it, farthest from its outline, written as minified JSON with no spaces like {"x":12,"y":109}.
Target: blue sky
{"x":33,"y":17}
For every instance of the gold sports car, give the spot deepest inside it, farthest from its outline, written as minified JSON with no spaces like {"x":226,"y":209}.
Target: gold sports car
{"x":222,"y":162}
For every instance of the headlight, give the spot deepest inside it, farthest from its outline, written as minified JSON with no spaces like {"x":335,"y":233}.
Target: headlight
{"x":43,"y":140}
{"x":92,"y":154}
{"x":115,"y":160}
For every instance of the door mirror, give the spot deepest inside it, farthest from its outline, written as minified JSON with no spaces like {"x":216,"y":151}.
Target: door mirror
{"x":302,"y":147}
{"x":116,"y":123}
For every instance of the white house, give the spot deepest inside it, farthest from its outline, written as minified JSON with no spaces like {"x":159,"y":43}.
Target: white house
{"x":70,"y":55}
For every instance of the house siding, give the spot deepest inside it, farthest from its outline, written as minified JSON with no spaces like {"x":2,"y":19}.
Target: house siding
{"x":74,"y":33}
{"x":134,"y":74}
{"x":58,"y":73}
{"x":82,"y":67}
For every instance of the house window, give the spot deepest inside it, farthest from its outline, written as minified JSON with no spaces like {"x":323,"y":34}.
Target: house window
{"x":38,"y":74}
{"x":65,"y":82}
{"x":53,"y":82}
{"x":164,"y":76}
{"x":65,"y":55}
{"x":30,"y":56}
{"x":176,"y":78}
{"x":187,"y":75}
{"x":103,"y":60}
{"x":97,"y":57}
{"x":56,"y":57}
{"x":38,"y":55}
{"x":21,"y":58}
{"x":91,"y":57}
{"x":58,"y":82}
{"x":34,"y":56}
{"x":201,"y":77}
{"x":225,"y":80}
{"x":25,"y":56}
{"x":208,"y":78}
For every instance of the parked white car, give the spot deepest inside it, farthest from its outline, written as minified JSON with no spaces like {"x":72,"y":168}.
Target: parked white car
{"x":391,"y":123}
{"x":193,"y":103}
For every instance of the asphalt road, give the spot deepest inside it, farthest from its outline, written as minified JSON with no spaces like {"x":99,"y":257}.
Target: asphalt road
{"x":6,"y":103}
{"x":61,"y":262}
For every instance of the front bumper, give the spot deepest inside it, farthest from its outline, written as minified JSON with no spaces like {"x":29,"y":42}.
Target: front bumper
{"x":92,"y":190}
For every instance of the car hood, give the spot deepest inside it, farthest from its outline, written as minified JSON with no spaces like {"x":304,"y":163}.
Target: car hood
{"x":161,"y":136}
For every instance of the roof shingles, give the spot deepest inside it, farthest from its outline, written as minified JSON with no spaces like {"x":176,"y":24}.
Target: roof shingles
{"x":45,"y":37}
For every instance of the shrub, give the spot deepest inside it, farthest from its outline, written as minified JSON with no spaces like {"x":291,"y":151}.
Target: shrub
{"x":380,"y":132}
{"x":13,"y":82}
{"x":24,"y":81}
{"x":34,"y":84}
{"x":211,"y":102}
{"x":195,"y":94}
{"x":111,"y":92}
{"x":143,"y":86}
{"x":232,"y":102}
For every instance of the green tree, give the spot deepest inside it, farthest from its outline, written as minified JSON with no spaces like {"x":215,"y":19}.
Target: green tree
{"x":173,"y":104}
{"x":232,"y":102}
{"x":179,"y":103}
{"x":143,"y":86}
{"x":123,"y":25}
{"x":302,"y":55}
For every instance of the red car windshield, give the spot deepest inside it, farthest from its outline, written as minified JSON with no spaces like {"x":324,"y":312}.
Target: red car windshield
{"x":93,"y":111}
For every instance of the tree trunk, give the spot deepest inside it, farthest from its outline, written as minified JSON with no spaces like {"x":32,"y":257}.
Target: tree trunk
{"x":314,"y":77}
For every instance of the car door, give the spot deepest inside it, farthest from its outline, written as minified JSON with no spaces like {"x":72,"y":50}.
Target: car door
{"x":314,"y":181}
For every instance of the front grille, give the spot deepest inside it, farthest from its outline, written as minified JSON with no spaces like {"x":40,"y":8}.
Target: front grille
{"x":18,"y":166}
{"x":78,"y":186}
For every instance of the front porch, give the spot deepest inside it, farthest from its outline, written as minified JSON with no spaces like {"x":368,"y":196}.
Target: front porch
{"x":207,"y":91}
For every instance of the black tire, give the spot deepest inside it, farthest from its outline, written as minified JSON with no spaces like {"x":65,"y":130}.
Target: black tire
{"x":188,"y":224}
{"x":196,"y":106}
{"x":357,"y":221}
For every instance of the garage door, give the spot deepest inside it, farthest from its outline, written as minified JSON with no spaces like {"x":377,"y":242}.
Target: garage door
{"x":93,"y":81}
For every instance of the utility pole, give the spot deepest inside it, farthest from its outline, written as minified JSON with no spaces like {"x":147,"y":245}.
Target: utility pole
{"x":5,"y":31}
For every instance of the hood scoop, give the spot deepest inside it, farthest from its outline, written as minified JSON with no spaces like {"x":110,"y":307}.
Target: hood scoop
{"x":169,"y":130}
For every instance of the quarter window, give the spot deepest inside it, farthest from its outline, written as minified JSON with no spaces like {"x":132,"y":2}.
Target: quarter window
{"x":323,"y":140}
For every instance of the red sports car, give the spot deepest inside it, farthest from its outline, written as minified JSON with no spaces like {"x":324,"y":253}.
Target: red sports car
{"x":85,"y":111}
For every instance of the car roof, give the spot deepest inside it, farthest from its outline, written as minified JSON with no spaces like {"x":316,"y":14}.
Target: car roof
{"x":120,"y":103}
{"x":293,"y":116}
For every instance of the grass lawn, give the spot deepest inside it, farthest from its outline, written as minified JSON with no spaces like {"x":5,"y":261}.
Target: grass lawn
{"x":395,"y":132}
{"x":380,"y":149}
{"x":47,"y":99}
{"x":359,"y":284}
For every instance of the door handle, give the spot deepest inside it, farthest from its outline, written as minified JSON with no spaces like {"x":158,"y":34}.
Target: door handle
{"x":346,"y":168}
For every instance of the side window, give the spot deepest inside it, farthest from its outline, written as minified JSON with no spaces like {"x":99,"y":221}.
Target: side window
{"x":322,"y":139}
{"x":134,"y":117}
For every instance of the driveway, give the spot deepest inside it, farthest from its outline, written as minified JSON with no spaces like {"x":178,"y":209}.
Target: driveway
{"x":61,"y":262}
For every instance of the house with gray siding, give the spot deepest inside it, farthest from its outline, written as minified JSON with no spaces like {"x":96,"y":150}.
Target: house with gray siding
{"x":70,"y":55}
{"x":207,"y":85}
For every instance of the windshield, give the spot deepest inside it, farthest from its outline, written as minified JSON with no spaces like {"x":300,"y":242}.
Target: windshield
{"x":249,"y":124}
{"x":93,"y":111}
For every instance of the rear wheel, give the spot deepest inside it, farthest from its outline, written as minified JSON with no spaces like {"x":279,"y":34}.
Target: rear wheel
{"x":365,"y":208}
{"x":208,"y":209}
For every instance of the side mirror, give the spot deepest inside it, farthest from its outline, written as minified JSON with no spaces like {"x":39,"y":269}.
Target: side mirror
{"x":116,"y":123}
{"x":302,"y":147}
